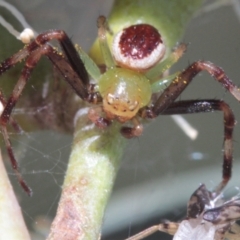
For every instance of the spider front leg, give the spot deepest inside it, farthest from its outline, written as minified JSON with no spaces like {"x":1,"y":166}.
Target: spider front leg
{"x":72,"y":69}
{"x":5,"y":116}
{"x":184,"y":78}
{"x":73,"y":60}
{"x":209,"y":105}
{"x":3,"y":103}
{"x":164,"y":105}
{"x":177,"y":87}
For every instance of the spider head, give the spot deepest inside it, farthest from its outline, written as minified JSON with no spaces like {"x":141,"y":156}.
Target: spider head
{"x":121,"y":108}
{"x":124,"y":92}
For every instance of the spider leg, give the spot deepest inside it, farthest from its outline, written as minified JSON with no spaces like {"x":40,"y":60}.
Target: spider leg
{"x":68,"y":73}
{"x":5,"y":116}
{"x":135,"y":131}
{"x":72,"y":77}
{"x":31,"y":62}
{"x":70,"y":66}
{"x":102,"y":31}
{"x":14,"y":163}
{"x":209,"y":105}
{"x":70,"y":52}
{"x":13,"y":160}
{"x":66,"y":69}
{"x":14,"y":124}
{"x":95,"y":117}
{"x":184,"y":78}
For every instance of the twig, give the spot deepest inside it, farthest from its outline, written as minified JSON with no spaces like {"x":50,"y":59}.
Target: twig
{"x":92,"y":168}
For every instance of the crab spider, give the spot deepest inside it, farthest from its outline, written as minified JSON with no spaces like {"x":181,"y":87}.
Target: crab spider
{"x":132,"y":85}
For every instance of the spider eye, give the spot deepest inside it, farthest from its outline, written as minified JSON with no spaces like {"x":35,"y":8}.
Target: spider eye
{"x":138,"y":47}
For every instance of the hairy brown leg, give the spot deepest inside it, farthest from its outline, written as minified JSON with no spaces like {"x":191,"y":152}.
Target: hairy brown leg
{"x":67,"y":72}
{"x":33,"y":52}
{"x":14,"y":124}
{"x":73,"y":71}
{"x":31,"y":62}
{"x":69,"y":50}
{"x":184,"y":78}
{"x":208,"y":105}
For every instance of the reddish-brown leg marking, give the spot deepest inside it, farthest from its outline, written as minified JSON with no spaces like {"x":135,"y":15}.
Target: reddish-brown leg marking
{"x":135,"y":131}
{"x":94,"y":116}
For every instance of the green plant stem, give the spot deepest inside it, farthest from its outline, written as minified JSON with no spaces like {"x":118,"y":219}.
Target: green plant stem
{"x":92,"y":169}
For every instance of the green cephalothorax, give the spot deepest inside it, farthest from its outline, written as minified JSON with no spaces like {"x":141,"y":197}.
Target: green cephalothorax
{"x":124,"y":92}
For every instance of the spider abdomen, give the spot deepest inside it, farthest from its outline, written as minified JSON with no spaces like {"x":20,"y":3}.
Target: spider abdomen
{"x":124,"y":92}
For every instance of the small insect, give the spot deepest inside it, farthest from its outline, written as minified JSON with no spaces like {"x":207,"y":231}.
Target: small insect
{"x":208,"y":217}
{"x":132,"y":86}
